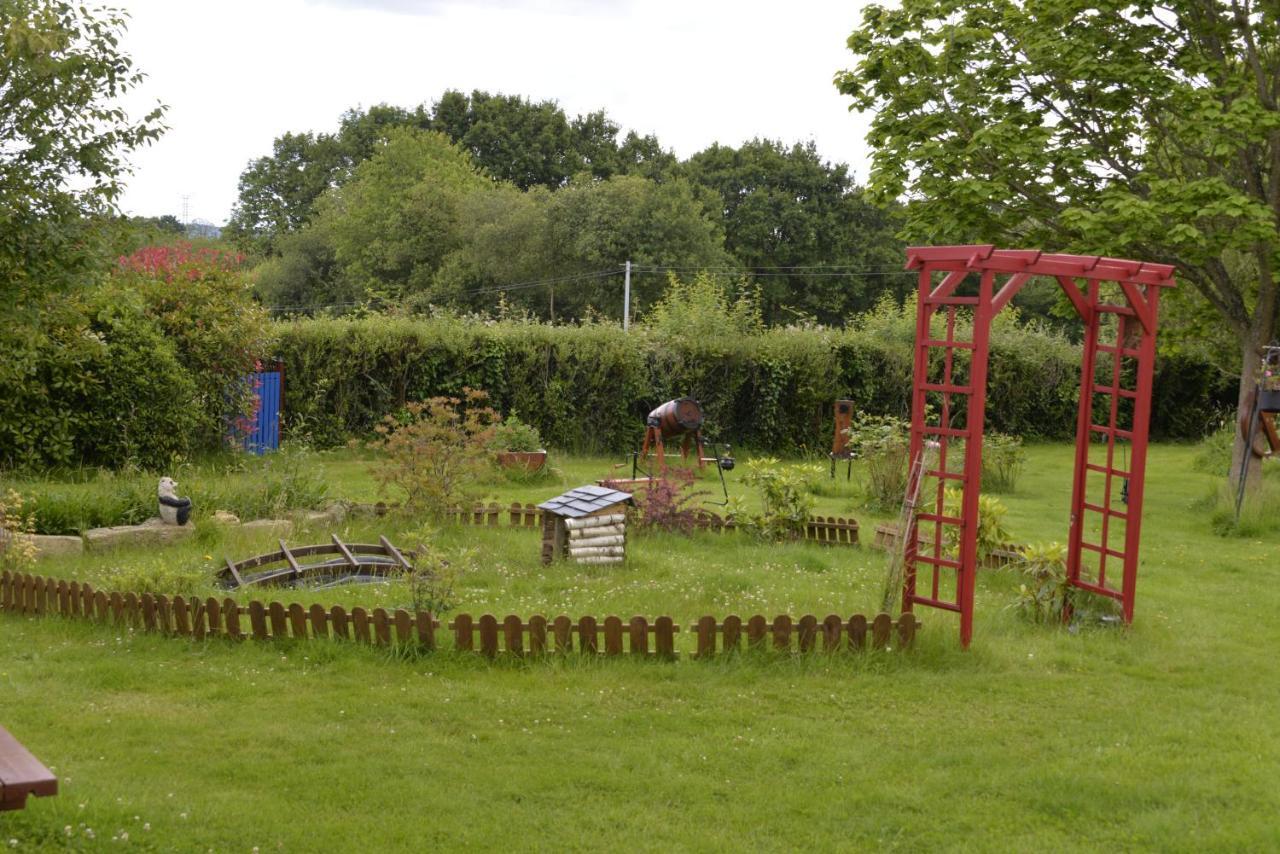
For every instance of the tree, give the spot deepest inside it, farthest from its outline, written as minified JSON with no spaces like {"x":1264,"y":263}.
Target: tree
{"x":1132,"y":129}
{"x":63,"y":142}
{"x":384,"y":232}
{"x":787,"y":207}
{"x":278,"y":193}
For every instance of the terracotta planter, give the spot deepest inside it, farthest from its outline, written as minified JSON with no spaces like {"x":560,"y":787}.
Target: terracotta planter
{"x":527,"y":460}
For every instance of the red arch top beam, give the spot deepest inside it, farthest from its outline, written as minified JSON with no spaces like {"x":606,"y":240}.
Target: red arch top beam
{"x":979,"y":257}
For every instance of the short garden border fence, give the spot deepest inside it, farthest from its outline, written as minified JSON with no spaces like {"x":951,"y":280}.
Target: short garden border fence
{"x":202,"y":618}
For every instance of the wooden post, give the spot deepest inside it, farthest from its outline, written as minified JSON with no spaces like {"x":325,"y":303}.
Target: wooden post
{"x":298,"y":621}
{"x":664,"y":638}
{"x":462,"y":639}
{"x":731,"y":633}
{"x":319,"y":622}
{"x":639,"y":637}
{"x":612,"y":636}
{"x":881,"y":628}
{"x":488,"y":635}
{"x":279,"y":621}
{"x":857,"y":632}
{"x":587,"y":640}
{"x":563,"y":629}
{"x":808,"y":632}
{"x":404,"y":627}
{"x":258,"y":620}
{"x":782,"y":632}
{"x":513,"y":632}
{"x":360,"y":619}
{"x":706,"y":637}
{"x":537,"y":635}
{"x":832,"y":627}
{"x":425,"y":623}
{"x":757,"y":629}
{"x":338,"y":619}
{"x":381,"y":627}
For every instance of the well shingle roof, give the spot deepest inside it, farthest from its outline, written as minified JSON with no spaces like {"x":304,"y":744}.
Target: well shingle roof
{"x":585,"y":500}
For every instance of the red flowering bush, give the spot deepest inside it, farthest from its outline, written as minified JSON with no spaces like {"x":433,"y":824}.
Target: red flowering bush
{"x":201,"y":299}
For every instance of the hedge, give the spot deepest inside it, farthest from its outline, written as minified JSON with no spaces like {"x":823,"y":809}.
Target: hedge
{"x":588,"y":388}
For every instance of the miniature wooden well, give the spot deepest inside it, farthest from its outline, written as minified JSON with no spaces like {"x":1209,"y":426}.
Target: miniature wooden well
{"x":587,"y":525}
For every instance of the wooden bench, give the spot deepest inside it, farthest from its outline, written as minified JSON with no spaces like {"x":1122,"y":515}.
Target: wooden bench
{"x":21,"y":774}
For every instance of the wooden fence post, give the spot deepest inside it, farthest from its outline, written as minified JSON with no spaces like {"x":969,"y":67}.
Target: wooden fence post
{"x":537,"y":635}
{"x":857,"y":632}
{"x":279,"y":621}
{"x":782,"y":632}
{"x":808,"y":632}
{"x":338,"y":619}
{"x":513,"y":633}
{"x":360,"y":619}
{"x":757,"y":629}
{"x":907,"y":625}
{"x":664,"y":639}
{"x":639,"y":637}
{"x":881,"y":628}
{"x":488,"y":635}
{"x":587,"y":639}
{"x":462,"y":639}
{"x":731,"y":634}
{"x":425,"y":623}
{"x":319,"y":622}
{"x":831,"y":631}
{"x":404,"y":627}
{"x":612,"y":636}
{"x":706,"y":637}
{"x":258,"y":620}
{"x":563,"y":629}
{"x":381,"y":627}
{"x":298,"y":621}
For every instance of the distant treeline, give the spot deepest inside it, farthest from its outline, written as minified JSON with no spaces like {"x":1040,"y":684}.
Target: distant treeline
{"x":455,"y":203}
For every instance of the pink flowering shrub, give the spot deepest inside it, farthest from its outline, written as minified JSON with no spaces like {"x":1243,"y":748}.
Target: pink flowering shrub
{"x":201,"y":299}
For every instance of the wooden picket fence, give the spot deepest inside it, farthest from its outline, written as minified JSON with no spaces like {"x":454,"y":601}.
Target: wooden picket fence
{"x":197,"y":618}
{"x":826,"y":530}
{"x":833,"y":633}
{"x":202,"y":618}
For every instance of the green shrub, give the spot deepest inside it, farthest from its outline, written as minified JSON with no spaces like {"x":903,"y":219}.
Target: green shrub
{"x":786,"y":499}
{"x":588,"y":388}
{"x":991,"y":531}
{"x":1002,"y":460}
{"x":434,"y":452}
{"x":1044,"y":590}
{"x":515,"y":435}
{"x":883,"y":443}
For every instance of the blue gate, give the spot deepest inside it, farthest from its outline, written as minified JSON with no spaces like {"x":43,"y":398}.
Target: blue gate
{"x":264,"y":430}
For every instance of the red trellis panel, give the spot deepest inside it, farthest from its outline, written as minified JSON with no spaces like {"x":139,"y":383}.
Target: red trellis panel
{"x":960,"y":290}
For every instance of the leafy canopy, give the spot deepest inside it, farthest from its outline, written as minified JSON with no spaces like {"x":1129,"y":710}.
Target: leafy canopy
{"x":1130,"y":128}
{"x":63,"y":141}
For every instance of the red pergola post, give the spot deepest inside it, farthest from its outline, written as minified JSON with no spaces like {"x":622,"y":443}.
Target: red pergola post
{"x":950,"y":559}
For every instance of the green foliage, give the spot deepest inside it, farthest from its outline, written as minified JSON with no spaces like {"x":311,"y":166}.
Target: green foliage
{"x":63,"y":143}
{"x":200,"y":300}
{"x":1044,"y":590}
{"x":1002,"y":460}
{"x":883,"y":443}
{"x":512,"y":434}
{"x":991,"y":531}
{"x":786,"y":497}
{"x":704,"y":308}
{"x":1162,"y":121}
{"x":160,"y":574}
{"x":588,"y":388}
{"x":786,"y":207}
{"x":17,"y":524}
{"x":433,"y":451}
{"x":1213,"y":455}
{"x":250,"y":487}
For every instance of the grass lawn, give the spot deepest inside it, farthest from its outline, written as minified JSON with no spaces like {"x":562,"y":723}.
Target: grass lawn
{"x":1163,"y":736}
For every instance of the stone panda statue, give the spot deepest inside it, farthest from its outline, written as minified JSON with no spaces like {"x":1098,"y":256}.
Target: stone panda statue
{"x":173,"y":510}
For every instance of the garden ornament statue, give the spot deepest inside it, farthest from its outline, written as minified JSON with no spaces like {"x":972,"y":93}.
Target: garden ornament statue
{"x":173,"y":510}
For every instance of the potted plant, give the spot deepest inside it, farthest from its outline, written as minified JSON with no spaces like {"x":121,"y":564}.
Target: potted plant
{"x":519,"y":445}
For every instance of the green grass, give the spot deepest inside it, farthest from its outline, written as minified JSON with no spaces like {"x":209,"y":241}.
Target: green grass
{"x":1159,"y":737}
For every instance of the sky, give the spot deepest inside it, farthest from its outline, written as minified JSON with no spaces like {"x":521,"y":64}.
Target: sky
{"x":236,"y":74}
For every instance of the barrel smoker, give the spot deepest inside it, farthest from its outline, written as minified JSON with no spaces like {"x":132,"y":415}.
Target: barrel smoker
{"x":681,"y":420}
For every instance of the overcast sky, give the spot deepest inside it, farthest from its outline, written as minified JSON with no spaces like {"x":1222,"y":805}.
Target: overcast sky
{"x":238,"y":73}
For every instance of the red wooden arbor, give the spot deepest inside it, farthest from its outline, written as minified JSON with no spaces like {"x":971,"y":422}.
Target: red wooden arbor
{"x":961,"y":289}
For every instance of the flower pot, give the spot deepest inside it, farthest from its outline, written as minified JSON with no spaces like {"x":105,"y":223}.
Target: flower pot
{"x":526,"y":460}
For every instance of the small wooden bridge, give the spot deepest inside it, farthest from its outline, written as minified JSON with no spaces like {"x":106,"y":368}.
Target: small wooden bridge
{"x":352,"y":562}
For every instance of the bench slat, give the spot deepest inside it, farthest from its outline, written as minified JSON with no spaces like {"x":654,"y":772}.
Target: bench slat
{"x":21,"y":774}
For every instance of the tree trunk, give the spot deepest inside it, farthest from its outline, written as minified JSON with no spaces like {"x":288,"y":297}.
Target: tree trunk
{"x":1244,"y":408}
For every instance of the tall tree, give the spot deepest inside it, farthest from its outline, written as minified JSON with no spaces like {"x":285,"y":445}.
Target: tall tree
{"x":787,"y":207}
{"x":63,"y":141}
{"x":1132,"y":128}
{"x":278,"y":193}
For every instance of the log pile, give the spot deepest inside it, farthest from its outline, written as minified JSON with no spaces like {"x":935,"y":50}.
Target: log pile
{"x":598,"y":539}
